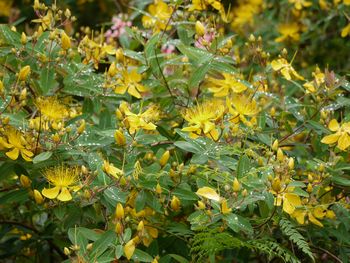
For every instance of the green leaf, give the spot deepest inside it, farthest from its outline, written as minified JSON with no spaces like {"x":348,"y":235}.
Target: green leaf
{"x":115,"y":195}
{"x":42,"y":157}
{"x":243,"y":166}
{"x":179,"y":258}
{"x":47,"y":79}
{"x":142,"y":256}
{"x":9,"y":37}
{"x":100,"y":246}
{"x":188,"y":147}
{"x":199,"y":75}
{"x":340,"y":180}
{"x":238,"y":223}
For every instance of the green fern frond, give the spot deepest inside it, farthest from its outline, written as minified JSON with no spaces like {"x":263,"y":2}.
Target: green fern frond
{"x":289,"y":230}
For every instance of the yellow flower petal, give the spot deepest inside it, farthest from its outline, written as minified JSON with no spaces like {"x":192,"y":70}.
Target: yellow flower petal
{"x":64,"y":195}
{"x":290,"y":202}
{"x":13,"y":154}
{"x":129,"y":249}
{"x":133,"y":92}
{"x":299,"y":215}
{"x":209,"y":193}
{"x":319,"y":212}
{"x":314,"y":220}
{"x":51,"y":193}
{"x":333,"y":125}
{"x":344,"y":141}
{"x":330,"y":139}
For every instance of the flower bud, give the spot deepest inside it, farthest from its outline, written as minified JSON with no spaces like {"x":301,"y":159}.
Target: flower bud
{"x":275,"y":145}
{"x":276,"y":185}
{"x":244,"y":193}
{"x":23,"y":38}
{"x":309,"y":188}
{"x":140,"y":226}
{"x":119,"y":54}
{"x":89,"y":246}
{"x":236,"y":185}
{"x":112,"y":70}
{"x":81,"y":128}
{"x":201,"y":205}
{"x":280,"y":155}
{"x":65,"y":41}
{"x":23,"y":73}
{"x":164,"y":159}
{"x":66,"y":251}
{"x":25,"y":181}
{"x":38,"y":197}
{"x":291,"y":163}
{"x":119,"y":228}
{"x":119,"y":138}
{"x":200,"y":29}
{"x":119,"y":212}
{"x":224,"y":209}
{"x":175,"y":203}
{"x":158,"y":189}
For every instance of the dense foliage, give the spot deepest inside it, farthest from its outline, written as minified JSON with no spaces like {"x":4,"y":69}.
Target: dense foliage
{"x":175,"y":131}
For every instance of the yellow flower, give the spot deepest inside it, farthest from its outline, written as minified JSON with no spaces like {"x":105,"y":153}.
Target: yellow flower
{"x":244,"y":14}
{"x":222,"y":87}
{"x":240,"y":106}
{"x":5,"y":7}
{"x":299,"y":4}
{"x":158,"y":18}
{"x":341,"y":135}
{"x":110,"y":169}
{"x":319,"y":78}
{"x":135,"y":122}
{"x":15,"y":141}
{"x":288,"y":32}
{"x":345,"y":31}
{"x":46,"y":21}
{"x":286,"y":69}
{"x":204,"y":4}
{"x":202,"y":119}
{"x":224,"y":208}
{"x":130,"y":82}
{"x":129,"y":249}
{"x":51,"y":108}
{"x":63,"y":179}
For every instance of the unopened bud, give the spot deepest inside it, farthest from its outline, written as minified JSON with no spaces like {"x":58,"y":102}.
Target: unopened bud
{"x":275,"y":145}
{"x":164,"y":159}
{"x":119,"y":138}
{"x":23,"y":38}
{"x":81,"y":128}
{"x":119,"y":212}
{"x":140,"y":226}
{"x":200,"y":29}
{"x":280,"y":155}
{"x":291,"y":163}
{"x":112,"y":71}
{"x":65,"y":41}
{"x":276,"y":185}
{"x":25,"y":181}
{"x":236,"y":185}
{"x":23,"y":73}
{"x":175,"y":203}
{"x":38,"y":197}
{"x":158,"y":189}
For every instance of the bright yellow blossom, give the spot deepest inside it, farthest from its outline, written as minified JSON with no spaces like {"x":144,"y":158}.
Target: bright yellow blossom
{"x":288,"y":32}
{"x":63,"y":179}
{"x":135,"y":122}
{"x":222,"y":87}
{"x":319,"y":78}
{"x":130,"y":82}
{"x":286,"y":69}
{"x":244,"y":13}
{"x":299,"y":4}
{"x":158,"y":18}
{"x":202,"y":119}
{"x":240,"y":106}
{"x":110,"y":169}
{"x":345,"y":31}
{"x":341,"y":135}
{"x":16,"y":143}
